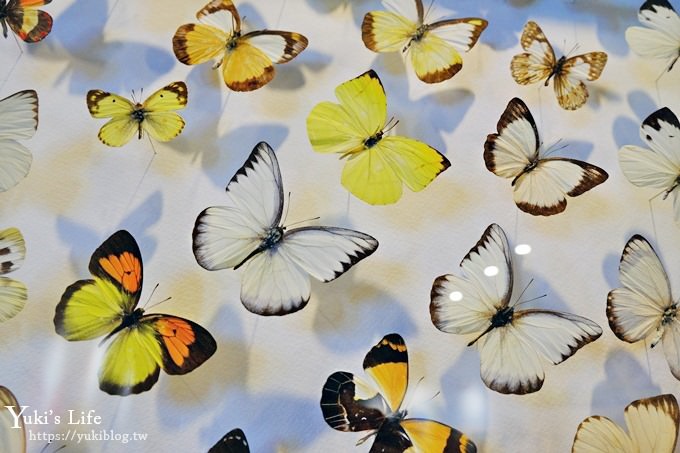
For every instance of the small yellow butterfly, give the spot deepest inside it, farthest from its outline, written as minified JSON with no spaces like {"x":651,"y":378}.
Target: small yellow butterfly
{"x":248,"y":59}
{"x":434,"y":48}
{"x":377,"y":165}
{"x":154,"y":116}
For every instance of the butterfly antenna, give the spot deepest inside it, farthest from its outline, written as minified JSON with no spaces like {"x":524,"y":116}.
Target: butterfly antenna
{"x":285,"y":216}
{"x":530,"y":300}
{"x":302,"y":221}
{"x":153,"y":291}
{"x":391,"y":124}
{"x":407,"y":404}
{"x":427,"y":11}
{"x":554,"y":147}
{"x":365,"y":438}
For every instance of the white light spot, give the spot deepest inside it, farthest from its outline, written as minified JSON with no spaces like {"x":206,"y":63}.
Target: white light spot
{"x":523,"y":249}
{"x":456,"y":296}
{"x":491,"y":271}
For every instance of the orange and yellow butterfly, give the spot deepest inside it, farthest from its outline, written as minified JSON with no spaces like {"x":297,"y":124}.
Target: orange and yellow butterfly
{"x":141,"y":344}
{"x":539,"y":63}
{"x":434,"y":48}
{"x":27,"y":22}
{"x":377,"y":165}
{"x":248,"y":59}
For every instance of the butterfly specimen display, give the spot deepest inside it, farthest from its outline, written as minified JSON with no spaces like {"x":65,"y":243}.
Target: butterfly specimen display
{"x":232,"y":442}
{"x":277,"y":262}
{"x":660,"y":36}
{"x":658,"y":166}
{"x":513,"y":344}
{"x":13,"y":293}
{"x":140,"y":344}
{"x":540,"y":183}
{"x":538,"y":63}
{"x":377,"y":165}
{"x":156,"y":115}
{"x":351,"y":404}
{"x":434,"y":49}
{"x":247,"y":59}
{"x":652,"y":427}
{"x":12,"y":438}
{"x":643,"y":308}
{"x":18,"y":121}
{"x":26,"y":21}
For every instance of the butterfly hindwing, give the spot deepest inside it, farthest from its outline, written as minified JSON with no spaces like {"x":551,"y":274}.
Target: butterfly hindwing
{"x":569,"y":88}
{"x":26,"y":21}
{"x":12,"y":434}
{"x":161,"y":121}
{"x":349,"y":404}
{"x":660,"y":37}
{"x":18,"y":121}
{"x":233,"y":442}
{"x":13,"y":293}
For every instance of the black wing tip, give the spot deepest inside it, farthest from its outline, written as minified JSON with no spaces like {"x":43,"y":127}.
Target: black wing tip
{"x":275,"y":311}
{"x":259,"y":149}
{"x":650,"y":5}
{"x":663,"y":114}
{"x":524,"y":388}
{"x":124,"y":390}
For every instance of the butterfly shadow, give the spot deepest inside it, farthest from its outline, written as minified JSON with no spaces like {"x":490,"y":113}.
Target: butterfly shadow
{"x":626,"y":131}
{"x":291,"y":76}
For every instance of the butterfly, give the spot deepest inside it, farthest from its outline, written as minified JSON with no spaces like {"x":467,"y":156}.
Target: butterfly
{"x":513,"y":344}
{"x":12,"y":433}
{"x":538,"y":63}
{"x":13,"y":293}
{"x":141,"y":343}
{"x":377,"y":164}
{"x":434,"y":48}
{"x":643,"y":307}
{"x":26,"y":21}
{"x":541,"y":184}
{"x":248,"y":59}
{"x":659,"y":166}
{"x":155,"y":116}
{"x":277,"y":262}
{"x":233,"y":442}
{"x":661,"y":37}
{"x":652,"y":427}
{"x":349,"y":403}
{"x":18,"y":121}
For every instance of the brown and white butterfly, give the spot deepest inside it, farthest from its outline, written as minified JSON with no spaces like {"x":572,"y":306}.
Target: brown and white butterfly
{"x":538,"y":63}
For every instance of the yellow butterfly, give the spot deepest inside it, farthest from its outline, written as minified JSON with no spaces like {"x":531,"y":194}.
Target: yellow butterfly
{"x":246,"y":59}
{"x":377,"y":165}
{"x":434,"y":48}
{"x":154,"y":116}
{"x":539,"y":63}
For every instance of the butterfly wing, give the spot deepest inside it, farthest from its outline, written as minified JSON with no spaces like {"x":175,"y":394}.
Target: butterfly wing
{"x":538,"y":61}
{"x":569,"y":88}
{"x":350,"y":404}
{"x":122,"y":126}
{"x":597,"y":434}
{"x":660,"y":38}
{"x":12,"y":437}
{"x":160,"y":119}
{"x":435,"y":437}
{"x":386,"y":31}
{"x":233,"y":442}
{"x":27,"y":22}
{"x":198,"y":43}
{"x":658,"y":166}
{"x":18,"y":121}
{"x":276,"y":281}
{"x":13,"y":293}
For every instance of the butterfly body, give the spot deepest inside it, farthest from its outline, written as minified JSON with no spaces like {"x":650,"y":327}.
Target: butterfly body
{"x":27,"y":22}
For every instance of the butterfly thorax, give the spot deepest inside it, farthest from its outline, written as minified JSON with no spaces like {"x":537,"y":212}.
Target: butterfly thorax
{"x":669,"y":314}
{"x":373,"y":140}
{"x":131,"y":319}
{"x":138,"y":113}
{"x":502,"y":317}
{"x":397,"y":440}
{"x":232,"y":42}
{"x":557,"y":69}
{"x":675,"y":185}
{"x":273,"y":237}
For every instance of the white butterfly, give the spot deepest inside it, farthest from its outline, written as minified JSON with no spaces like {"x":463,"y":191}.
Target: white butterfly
{"x":540,"y":183}
{"x":18,"y":121}
{"x":661,"y":37}
{"x":13,"y":293}
{"x":513,"y":344}
{"x":278,"y":262}
{"x":652,"y":427}
{"x":643,"y":307}
{"x":659,"y":166}
{"x":12,"y":439}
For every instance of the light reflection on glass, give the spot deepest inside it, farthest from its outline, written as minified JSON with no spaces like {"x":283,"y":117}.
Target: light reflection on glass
{"x":491,"y":271}
{"x":523,"y":249}
{"x":456,"y":296}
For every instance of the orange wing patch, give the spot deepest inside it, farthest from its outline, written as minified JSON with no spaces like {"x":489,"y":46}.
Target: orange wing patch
{"x":177,"y":336}
{"x":125,"y":268}
{"x":185,"y":344}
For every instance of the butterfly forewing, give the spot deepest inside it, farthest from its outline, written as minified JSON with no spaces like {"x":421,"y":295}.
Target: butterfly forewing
{"x":387,"y":364}
{"x":18,"y":121}
{"x":660,"y":36}
{"x":12,"y":438}
{"x":221,"y":14}
{"x":26,"y":21}
{"x":233,"y":442}
{"x":537,"y":62}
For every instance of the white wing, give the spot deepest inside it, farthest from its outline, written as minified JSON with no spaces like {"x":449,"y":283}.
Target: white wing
{"x":276,"y":281}
{"x":465,"y":304}
{"x":13,"y":294}
{"x":671,"y":344}
{"x":11,"y":439}
{"x":224,"y":236}
{"x":512,"y":355}
{"x":660,"y":38}
{"x":598,"y":434}
{"x":18,"y":121}
{"x":411,"y":9}
{"x":221,"y":14}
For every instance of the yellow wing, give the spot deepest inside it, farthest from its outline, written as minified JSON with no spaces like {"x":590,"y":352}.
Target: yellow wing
{"x":429,"y":436}
{"x":122,"y":126}
{"x":385,"y":31}
{"x":160,"y":120}
{"x":198,"y":43}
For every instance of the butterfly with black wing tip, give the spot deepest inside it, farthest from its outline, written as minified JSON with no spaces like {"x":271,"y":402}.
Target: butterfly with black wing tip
{"x":25,"y":20}
{"x":659,"y":166}
{"x":233,"y":442}
{"x":13,"y":293}
{"x":660,"y":38}
{"x":277,"y":262}
{"x":540,"y":183}
{"x":434,"y":48}
{"x":248,"y":59}
{"x":643,"y":308}
{"x":350,"y":404}
{"x":18,"y":121}
{"x":652,"y":427}
{"x":513,"y":344}
{"x":538,"y":63}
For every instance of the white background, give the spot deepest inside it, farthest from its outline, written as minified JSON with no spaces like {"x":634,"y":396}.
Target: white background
{"x":267,"y":374}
